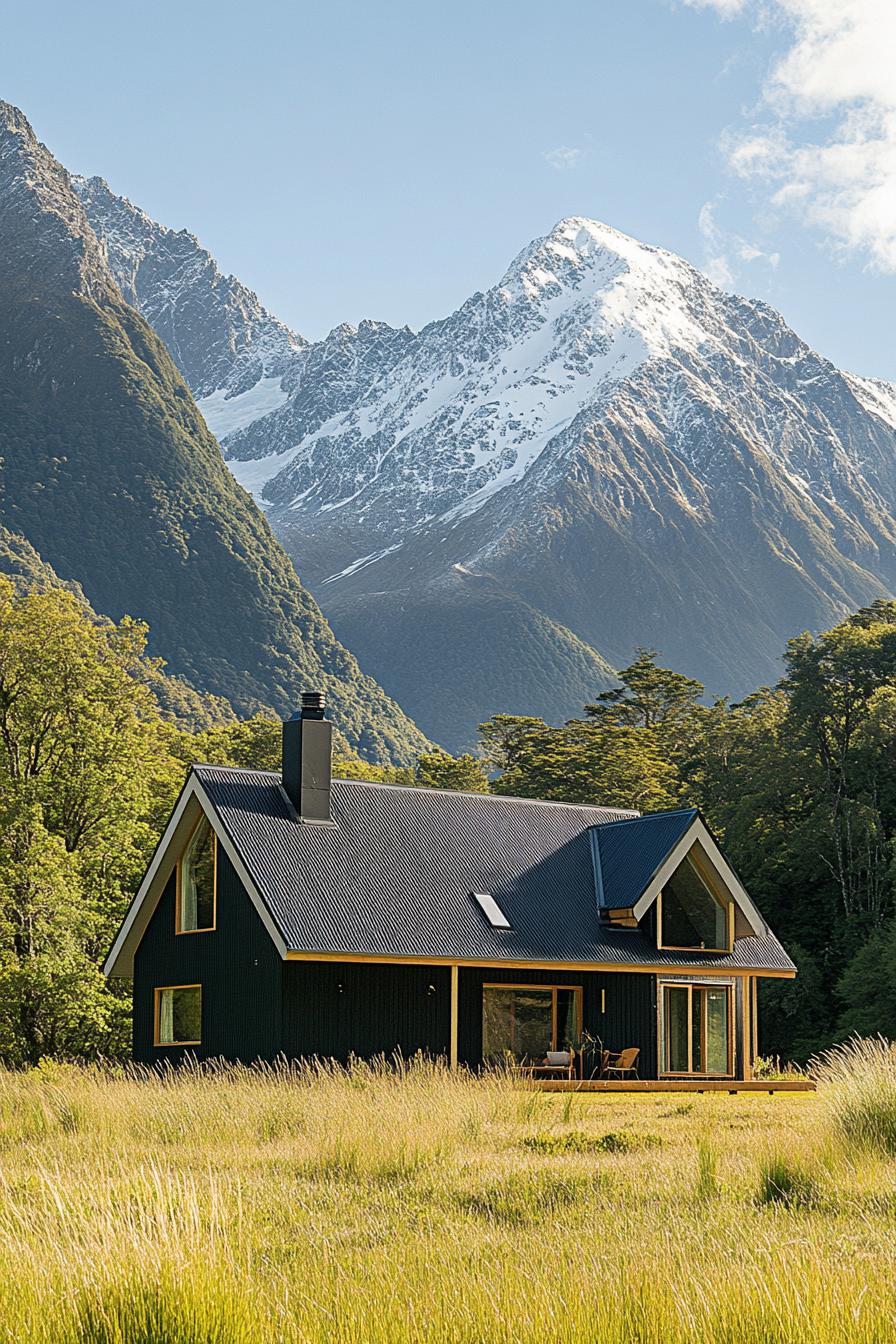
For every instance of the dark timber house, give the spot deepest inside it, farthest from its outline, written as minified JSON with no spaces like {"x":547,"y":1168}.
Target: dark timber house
{"x":291,"y":915}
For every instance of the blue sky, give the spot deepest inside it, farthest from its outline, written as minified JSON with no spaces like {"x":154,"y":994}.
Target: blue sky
{"x":385,"y":159}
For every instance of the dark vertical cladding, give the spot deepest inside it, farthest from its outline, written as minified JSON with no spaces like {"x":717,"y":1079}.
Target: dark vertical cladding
{"x":237,"y":965}
{"x":334,"y":1010}
{"x":307,"y":759}
{"x":626,"y":1014}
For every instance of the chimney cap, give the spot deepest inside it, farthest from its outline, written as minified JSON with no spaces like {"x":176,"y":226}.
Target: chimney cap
{"x":313,"y":704}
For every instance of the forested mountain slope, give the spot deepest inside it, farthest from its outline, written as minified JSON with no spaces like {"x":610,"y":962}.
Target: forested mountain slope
{"x":111,"y":474}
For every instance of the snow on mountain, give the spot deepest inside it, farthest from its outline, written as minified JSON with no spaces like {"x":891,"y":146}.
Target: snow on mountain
{"x":602,"y":450}
{"x":575,"y":313}
{"x":876,"y":396}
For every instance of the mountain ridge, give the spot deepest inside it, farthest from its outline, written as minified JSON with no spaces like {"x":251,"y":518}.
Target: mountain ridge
{"x":111,"y":475}
{"x":603,"y":438}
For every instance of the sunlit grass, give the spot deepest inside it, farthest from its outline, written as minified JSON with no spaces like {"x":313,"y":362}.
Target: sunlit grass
{"x":378,"y":1206}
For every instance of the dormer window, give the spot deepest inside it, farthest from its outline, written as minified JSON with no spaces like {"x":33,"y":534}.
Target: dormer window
{"x":691,"y":914}
{"x":197,"y":874}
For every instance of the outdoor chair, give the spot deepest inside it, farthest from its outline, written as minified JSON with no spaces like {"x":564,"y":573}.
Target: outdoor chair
{"x":623,"y":1065}
{"x":560,"y":1062}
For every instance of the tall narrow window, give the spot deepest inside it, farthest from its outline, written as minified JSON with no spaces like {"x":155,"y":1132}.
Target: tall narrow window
{"x":178,"y":1015}
{"x":196,"y":881}
{"x":695,"y":1025}
{"x":691,"y":915}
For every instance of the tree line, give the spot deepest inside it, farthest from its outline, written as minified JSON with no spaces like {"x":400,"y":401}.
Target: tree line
{"x":797,"y":781}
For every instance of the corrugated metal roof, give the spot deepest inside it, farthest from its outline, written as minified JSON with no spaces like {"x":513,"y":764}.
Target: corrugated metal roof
{"x":631,"y":851}
{"x":396,"y":875}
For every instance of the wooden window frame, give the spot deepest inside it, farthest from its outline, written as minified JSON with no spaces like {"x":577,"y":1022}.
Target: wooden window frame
{"x":690,"y":986}
{"x":725,"y":901}
{"x":210,"y":928}
{"x":157,"y":1004}
{"x":578,"y":992}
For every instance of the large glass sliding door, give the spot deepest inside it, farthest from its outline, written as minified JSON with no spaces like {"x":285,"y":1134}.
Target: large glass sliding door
{"x":695,"y":1029}
{"x":525,"y":1021}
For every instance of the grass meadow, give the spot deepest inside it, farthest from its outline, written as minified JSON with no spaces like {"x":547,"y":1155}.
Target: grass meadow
{"x":379,"y":1206}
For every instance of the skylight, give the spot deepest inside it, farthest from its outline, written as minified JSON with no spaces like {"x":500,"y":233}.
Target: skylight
{"x":491,"y":909}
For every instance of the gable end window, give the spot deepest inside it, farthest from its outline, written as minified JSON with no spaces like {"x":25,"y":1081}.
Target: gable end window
{"x":197,"y":882}
{"x":178,"y":1015}
{"x":691,"y":914}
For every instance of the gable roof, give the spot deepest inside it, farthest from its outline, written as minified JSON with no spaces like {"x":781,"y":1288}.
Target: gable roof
{"x":397,"y":874}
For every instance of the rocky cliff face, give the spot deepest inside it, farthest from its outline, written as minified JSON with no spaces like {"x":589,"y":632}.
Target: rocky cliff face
{"x":603,"y":450}
{"x":110,"y":474}
{"x":219,"y":335}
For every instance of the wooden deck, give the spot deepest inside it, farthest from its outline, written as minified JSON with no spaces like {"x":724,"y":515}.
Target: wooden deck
{"x":730,"y":1085}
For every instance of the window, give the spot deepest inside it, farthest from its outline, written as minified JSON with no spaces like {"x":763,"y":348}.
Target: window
{"x":178,"y":1015}
{"x":690,"y":915}
{"x":695,"y":1029}
{"x":491,"y":909}
{"x":526,"y":1021}
{"x":197,"y":875}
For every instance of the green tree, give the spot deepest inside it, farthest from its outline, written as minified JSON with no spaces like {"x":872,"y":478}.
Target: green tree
{"x":866,"y":990}
{"x":655,"y":698}
{"x":86,"y":774}
{"x":832,"y":684}
{"x":439,"y":770}
{"x":582,"y":762}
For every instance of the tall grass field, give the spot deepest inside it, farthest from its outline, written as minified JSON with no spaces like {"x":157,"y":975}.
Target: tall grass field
{"x":380,"y":1205}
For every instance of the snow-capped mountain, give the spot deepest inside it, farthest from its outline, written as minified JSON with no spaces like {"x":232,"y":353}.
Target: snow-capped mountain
{"x":603,"y":450}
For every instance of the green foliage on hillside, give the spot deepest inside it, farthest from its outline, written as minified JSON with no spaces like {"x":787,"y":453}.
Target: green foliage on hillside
{"x":483,"y":650}
{"x":797,"y":781}
{"x":111,"y":474}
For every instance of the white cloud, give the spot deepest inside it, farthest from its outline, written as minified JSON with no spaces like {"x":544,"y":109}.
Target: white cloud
{"x":838,"y":69}
{"x":563,"y":157}
{"x":727,"y":8}
{"x":724,"y":249}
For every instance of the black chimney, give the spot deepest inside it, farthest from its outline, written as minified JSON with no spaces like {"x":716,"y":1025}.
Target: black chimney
{"x":307,"y":738}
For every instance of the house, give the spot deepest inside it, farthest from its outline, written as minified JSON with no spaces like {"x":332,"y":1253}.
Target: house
{"x":302,"y":916}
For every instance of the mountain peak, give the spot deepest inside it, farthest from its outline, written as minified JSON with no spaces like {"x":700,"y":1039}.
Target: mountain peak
{"x":38,"y":205}
{"x":12,"y":118}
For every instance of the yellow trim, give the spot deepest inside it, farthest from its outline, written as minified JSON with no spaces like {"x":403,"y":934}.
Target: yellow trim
{"x":614,"y":966}
{"x":746,"y":1027}
{"x":452,"y":1045}
{"x":576,"y":989}
{"x":159,"y":990}
{"x":754,"y":1024}
{"x":690,"y":986}
{"x":211,"y":927}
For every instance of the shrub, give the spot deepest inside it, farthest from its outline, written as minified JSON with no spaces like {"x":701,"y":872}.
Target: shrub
{"x":770,"y":1066}
{"x":188,"y":1312}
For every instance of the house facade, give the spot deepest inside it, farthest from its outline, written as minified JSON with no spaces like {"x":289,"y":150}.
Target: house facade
{"x":294,"y":915}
